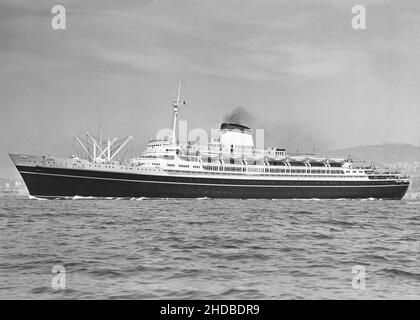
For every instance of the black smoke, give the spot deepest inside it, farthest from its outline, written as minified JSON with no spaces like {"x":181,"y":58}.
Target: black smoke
{"x":281,"y":132}
{"x":238,"y":115}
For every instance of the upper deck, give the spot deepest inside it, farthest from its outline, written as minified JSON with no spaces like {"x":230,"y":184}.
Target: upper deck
{"x":218,"y":160}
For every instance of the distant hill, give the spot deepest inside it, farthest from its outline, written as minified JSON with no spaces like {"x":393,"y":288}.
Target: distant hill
{"x":404,"y":156}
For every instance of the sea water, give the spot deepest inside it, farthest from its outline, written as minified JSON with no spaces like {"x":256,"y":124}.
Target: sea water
{"x":208,"y":249}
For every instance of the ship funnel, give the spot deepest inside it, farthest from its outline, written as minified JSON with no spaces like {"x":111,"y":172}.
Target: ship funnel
{"x":236,"y":135}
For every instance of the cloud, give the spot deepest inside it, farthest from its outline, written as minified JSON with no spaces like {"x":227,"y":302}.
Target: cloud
{"x":236,"y":40}
{"x":294,"y":63}
{"x":325,"y":61}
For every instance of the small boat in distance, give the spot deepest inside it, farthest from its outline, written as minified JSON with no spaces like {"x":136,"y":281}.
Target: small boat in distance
{"x":229,"y":167}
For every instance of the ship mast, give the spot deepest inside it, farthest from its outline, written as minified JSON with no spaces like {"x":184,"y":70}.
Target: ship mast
{"x":176,"y":105}
{"x":102,"y":154}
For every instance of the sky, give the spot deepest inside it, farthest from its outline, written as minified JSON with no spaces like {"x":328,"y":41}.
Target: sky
{"x":297,"y":67}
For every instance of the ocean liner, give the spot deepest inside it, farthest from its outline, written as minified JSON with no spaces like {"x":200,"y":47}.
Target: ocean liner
{"x":227,"y":167}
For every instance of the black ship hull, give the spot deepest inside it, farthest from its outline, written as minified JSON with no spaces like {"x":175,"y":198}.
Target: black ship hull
{"x":56,"y":183}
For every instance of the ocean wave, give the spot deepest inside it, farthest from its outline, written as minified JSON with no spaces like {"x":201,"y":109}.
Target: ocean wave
{"x":322,"y":236}
{"x":376,"y":257}
{"x":76,"y":197}
{"x":240,"y":293}
{"x":233,"y":256}
{"x":41,"y":290}
{"x":400,"y":273}
{"x":36,"y":198}
{"x":341,"y":223}
{"x":413,"y":203}
{"x":303,"y":212}
{"x":309,"y":199}
{"x":107,"y":273}
{"x":370,"y":199}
